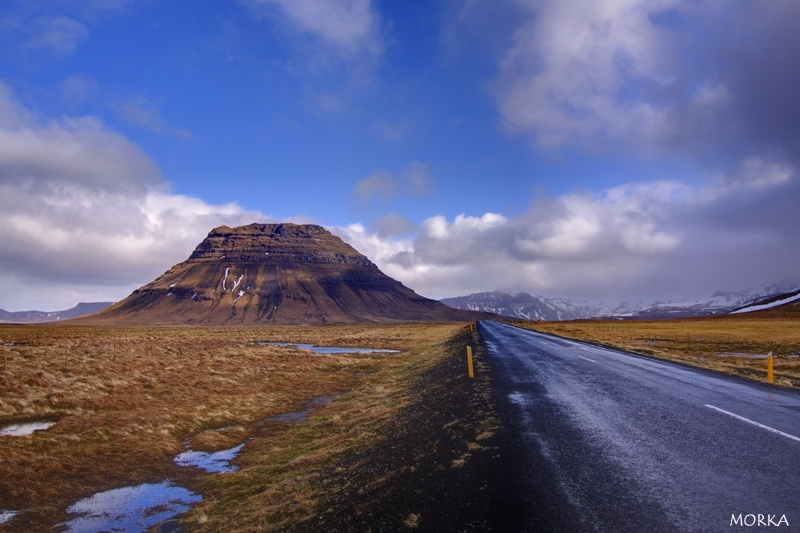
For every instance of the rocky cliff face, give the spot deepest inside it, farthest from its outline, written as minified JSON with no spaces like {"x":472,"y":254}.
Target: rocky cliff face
{"x":275,"y":274}
{"x":276,"y":244}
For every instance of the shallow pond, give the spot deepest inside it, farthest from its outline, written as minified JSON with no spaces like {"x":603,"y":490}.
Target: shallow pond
{"x":25,"y":428}
{"x":210,"y":462}
{"x":299,"y":416}
{"x":130,"y":509}
{"x":326,"y":349}
{"x":743,"y":355}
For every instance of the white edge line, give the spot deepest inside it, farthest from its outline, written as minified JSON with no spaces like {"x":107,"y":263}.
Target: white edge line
{"x":582,"y":357}
{"x":762,"y":426}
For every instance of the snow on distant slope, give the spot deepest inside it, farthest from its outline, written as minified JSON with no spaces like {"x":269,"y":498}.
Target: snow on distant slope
{"x":529,"y":307}
{"x":719,"y":303}
{"x":29,"y":317}
{"x":791,"y":296}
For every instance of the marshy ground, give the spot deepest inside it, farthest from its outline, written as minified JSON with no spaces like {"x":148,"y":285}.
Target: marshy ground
{"x":129,"y":400}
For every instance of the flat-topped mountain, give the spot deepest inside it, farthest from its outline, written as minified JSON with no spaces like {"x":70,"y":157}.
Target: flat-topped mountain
{"x":275,"y":274}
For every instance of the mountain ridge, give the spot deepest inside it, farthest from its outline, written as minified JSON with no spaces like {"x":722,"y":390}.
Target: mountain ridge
{"x":534,"y":307}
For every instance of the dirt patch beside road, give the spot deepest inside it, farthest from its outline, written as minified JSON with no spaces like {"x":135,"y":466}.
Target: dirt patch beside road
{"x":438,"y":467}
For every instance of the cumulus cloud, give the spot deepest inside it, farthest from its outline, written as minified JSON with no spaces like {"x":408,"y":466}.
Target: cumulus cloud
{"x":83,"y":207}
{"x":659,"y":239}
{"x":392,"y":224}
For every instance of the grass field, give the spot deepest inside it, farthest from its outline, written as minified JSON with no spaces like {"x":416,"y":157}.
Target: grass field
{"x":128,"y":400}
{"x":729,"y":344}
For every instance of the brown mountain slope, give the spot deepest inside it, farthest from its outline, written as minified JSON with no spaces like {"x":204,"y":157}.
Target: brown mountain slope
{"x":275,"y":274}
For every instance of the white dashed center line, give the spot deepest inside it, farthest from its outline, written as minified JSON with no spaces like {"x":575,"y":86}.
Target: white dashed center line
{"x":762,"y":426}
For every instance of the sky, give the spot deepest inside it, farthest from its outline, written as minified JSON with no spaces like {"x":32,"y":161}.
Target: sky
{"x":590,"y":149}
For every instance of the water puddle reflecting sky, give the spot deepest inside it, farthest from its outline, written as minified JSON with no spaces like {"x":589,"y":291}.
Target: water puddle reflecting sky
{"x":326,"y":349}
{"x":210,"y":462}
{"x":130,"y":509}
{"x":25,"y":428}
{"x":300,"y":416}
{"x":135,"y":509}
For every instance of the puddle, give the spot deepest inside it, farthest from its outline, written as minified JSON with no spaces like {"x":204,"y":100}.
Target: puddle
{"x":299,"y":416}
{"x":26,"y":428}
{"x":326,"y":349}
{"x":289,"y":418}
{"x":130,"y":509}
{"x":5,"y":516}
{"x":322,"y":401}
{"x":745,"y":355}
{"x":210,"y":462}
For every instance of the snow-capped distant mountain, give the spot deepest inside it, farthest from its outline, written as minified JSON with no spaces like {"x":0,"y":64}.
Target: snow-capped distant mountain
{"x":28,"y":317}
{"x":718,"y":304}
{"x":529,"y":307}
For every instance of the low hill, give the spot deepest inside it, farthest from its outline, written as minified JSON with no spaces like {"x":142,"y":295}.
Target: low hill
{"x":29,"y":317}
{"x":275,"y":274}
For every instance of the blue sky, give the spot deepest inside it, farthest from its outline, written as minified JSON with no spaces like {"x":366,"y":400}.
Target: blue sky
{"x":589,"y":149}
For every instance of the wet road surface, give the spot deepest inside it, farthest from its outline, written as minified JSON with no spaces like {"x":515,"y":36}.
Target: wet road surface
{"x":602,"y":440}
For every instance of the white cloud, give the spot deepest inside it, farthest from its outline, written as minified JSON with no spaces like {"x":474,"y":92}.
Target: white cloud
{"x":578,"y":70}
{"x":72,"y":150}
{"x":81,"y":206}
{"x":380,"y":187}
{"x":139,"y":112}
{"x":349,"y":26}
{"x":659,"y":239}
{"x":60,"y":35}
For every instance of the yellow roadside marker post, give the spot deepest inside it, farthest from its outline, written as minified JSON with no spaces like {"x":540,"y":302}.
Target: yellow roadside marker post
{"x":469,"y":362}
{"x":770,"y":375}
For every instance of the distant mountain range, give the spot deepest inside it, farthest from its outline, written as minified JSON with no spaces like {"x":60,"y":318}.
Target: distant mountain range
{"x":529,"y":307}
{"x":29,"y":317}
{"x":525,"y":306}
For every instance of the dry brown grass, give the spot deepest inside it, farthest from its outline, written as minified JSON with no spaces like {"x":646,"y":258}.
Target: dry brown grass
{"x":129,"y":400}
{"x":728,"y":344}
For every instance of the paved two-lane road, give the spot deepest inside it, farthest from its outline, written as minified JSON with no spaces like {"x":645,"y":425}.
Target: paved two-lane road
{"x":607,"y":441}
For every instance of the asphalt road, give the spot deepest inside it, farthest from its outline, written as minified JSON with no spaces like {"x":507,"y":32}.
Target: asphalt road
{"x":602,"y":440}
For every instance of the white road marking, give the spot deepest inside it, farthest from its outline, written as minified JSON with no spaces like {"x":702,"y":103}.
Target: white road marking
{"x":762,"y":426}
{"x":582,"y":357}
